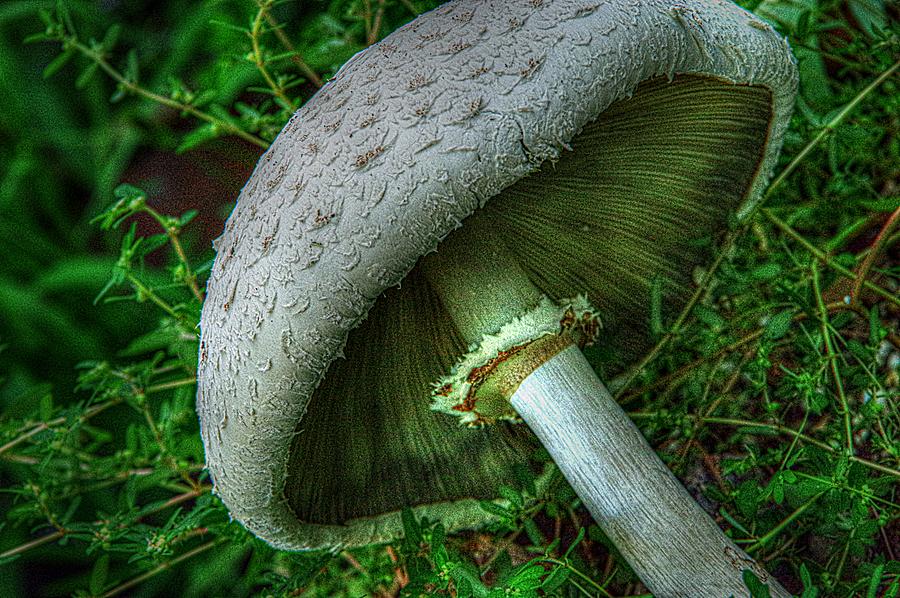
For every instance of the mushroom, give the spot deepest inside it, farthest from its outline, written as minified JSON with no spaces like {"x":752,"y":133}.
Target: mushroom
{"x":442,"y":229}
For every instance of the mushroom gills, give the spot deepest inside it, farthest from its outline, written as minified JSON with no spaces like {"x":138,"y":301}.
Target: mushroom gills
{"x":643,"y":194}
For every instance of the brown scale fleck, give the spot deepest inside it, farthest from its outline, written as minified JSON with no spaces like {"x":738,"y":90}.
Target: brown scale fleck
{"x":475,"y":107}
{"x":591,"y":326}
{"x":323,"y":219}
{"x":458,"y":47}
{"x":464,"y":16}
{"x":313,"y":148}
{"x":480,"y":71}
{"x":430,"y":37}
{"x":585,"y":10}
{"x":530,"y":68}
{"x":444,"y":390}
{"x":274,"y":181}
{"x":468,"y":404}
{"x":368,"y":121}
{"x":416,"y":82}
{"x":332,"y":126}
{"x":363,"y":159}
{"x":267,"y":241}
{"x":568,"y":320}
{"x":477,"y":375}
{"x":297,"y":185}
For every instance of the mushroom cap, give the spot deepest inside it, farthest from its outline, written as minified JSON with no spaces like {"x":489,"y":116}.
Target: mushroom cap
{"x":410,"y":137}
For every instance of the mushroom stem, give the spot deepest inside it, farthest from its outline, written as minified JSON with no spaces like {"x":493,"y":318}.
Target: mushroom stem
{"x":483,"y":286}
{"x":672,"y":544}
{"x":674,"y":547}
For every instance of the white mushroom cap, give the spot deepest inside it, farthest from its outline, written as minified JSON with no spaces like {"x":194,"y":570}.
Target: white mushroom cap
{"x":410,"y":137}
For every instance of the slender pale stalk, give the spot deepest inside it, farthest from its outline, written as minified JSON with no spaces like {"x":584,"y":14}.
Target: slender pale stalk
{"x":672,"y":544}
{"x":483,"y":286}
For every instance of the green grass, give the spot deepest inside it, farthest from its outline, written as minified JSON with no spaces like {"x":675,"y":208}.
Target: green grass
{"x":774,"y":396}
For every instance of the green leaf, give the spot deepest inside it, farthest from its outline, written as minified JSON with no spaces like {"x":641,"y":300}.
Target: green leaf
{"x":46,"y":408}
{"x":778,"y":491}
{"x":809,"y":590}
{"x":111,"y":37}
{"x":892,"y":590}
{"x":555,"y":580}
{"x":494,"y":509}
{"x":778,"y":325}
{"x":534,"y":534}
{"x":766,"y":271}
{"x":575,"y":543}
{"x":85,"y":77}
{"x":466,"y":577}
{"x":186,"y":218}
{"x":876,"y":330}
{"x":746,"y":498}
{"x":99,"y":574}
{"x":802,"y":28}
{"x":57,"y":63}
{"x":200,"y":135}
{"x":875,"y":581}
{"x":525,"y":578}
{"x":514,"y":498}
{"x":709,"y":317}
{"x":411,"y":529}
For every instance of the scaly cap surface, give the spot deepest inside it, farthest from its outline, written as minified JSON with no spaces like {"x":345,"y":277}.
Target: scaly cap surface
{"x":410,"y":137}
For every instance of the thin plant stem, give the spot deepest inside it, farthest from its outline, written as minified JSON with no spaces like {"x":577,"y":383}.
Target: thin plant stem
{"x":825,"y":259}
{"x":259,"y":60}
{"x":163,"y":567}
{"x":376,"y":24}
{"x":55,"y":535}
{"x":133,"y":87}
{"x":171,"y":384}
{"x":23,"y":437}
{"x":832,"y":360}
{"x":838,"y":573}
{"x":296,"y":58}
{"x":761,"y":542}
{"x":575,"y":570}
{"x":877,"y":247}
{"x":705,"y":282}
{"x":165,"y":451}
{"x":743,"y":423}
{"x":88,"y":413}
{"x":409,"y":6}
{"x":831,"y":125}
{"x":145,"y":291}
{"x":62,"y":531}
{"x":172,"y":233}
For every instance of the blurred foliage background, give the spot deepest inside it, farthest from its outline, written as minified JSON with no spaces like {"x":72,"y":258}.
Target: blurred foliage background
{"x":127,"y":131}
